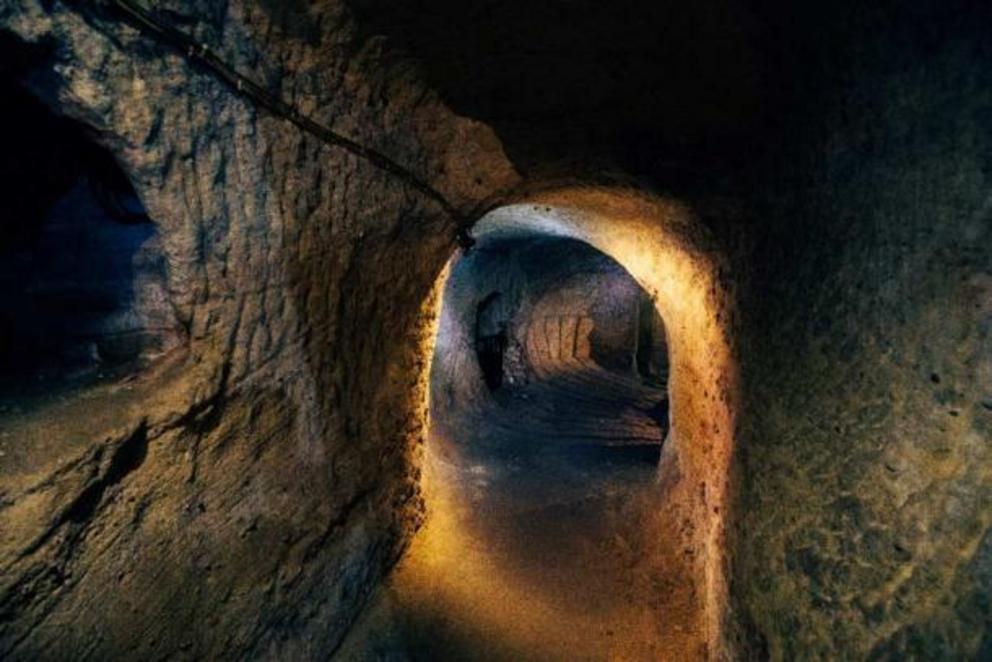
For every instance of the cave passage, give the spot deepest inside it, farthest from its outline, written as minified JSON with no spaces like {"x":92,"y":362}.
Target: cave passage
{"x":548,"y":413}
{"x":568,"y":346}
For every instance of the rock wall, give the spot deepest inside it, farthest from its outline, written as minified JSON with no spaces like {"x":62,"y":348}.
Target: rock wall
{"x":242,"y":496}
{"x":862,"y":518}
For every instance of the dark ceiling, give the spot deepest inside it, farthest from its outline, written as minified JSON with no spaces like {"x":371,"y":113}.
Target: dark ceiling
{"x":649,"y":86}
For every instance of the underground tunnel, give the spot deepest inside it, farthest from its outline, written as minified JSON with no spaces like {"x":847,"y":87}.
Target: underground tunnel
{"x":543,"y":434}
{"x":544,"y":479}
{"x":506,"y":330}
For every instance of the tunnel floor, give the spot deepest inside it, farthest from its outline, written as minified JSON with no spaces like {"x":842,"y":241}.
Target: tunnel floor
{"x":538,"y":539}
{"x":583,"y":405}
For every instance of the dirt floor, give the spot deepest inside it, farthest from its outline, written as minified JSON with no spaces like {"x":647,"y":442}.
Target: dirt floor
{"x":536,"y":546}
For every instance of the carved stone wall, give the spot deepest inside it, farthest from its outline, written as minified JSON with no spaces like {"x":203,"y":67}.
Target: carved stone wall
{"x":241,"y":496}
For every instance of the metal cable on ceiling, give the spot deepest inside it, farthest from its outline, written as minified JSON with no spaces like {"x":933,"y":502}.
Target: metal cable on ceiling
{"x":245,"y":87}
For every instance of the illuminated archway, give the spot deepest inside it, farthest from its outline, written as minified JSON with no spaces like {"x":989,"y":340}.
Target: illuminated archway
{"x":661,"y":244}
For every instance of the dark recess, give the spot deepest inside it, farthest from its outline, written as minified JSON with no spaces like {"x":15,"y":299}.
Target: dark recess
{"x":490,"y":341}
{"x":75,"y":244}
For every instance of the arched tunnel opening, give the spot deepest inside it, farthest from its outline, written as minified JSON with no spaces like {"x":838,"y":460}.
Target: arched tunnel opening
{"x":549,"y":477}
{"x":556,"y":460}
{"x":564,"y":339}
{"x":83,"y":277}
{"x":616,"y":329}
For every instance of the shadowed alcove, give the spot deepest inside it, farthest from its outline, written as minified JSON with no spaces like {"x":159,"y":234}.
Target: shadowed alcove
{"x":83,"y":279}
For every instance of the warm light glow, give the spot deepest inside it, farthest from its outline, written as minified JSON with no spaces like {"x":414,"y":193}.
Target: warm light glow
{"x":449,"y":569}
{"x":658,"y":242}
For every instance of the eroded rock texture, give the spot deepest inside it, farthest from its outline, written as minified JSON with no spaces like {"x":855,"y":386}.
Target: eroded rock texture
{"x":243,"y":497}
{"x":865,"y":440}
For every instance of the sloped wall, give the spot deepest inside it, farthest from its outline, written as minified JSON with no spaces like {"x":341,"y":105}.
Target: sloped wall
{"x":242,"y":497}
{"x":863,"y":518}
